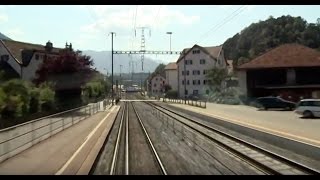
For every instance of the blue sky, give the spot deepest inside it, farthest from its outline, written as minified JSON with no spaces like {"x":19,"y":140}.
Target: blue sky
{"x":87,"y":27}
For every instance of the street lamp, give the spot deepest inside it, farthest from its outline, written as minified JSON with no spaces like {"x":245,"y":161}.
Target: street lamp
{"x":170,"y":33}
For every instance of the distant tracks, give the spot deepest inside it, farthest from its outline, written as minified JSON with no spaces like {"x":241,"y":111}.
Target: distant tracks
{"x":124,"y":128}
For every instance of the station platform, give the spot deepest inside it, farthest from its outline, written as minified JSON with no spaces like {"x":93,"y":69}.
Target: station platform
{"x":69,"y":152}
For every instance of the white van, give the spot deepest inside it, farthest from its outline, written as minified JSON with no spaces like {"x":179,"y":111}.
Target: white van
{"x":308,"y":108}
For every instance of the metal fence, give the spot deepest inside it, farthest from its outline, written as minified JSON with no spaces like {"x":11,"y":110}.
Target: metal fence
{"x":16,"y":139}
{"x":198,"y":103}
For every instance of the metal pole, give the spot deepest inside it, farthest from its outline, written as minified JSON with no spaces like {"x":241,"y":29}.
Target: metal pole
{"x":120,"y":81}
{"x":170,"y":42}
{"x":170,"y":39}
{"x":185,"y":81}
{"x":112,"y":33}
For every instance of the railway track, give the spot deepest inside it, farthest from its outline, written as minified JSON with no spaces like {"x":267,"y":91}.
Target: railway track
{"x":134,"y":152}
{"x":260,"y":158}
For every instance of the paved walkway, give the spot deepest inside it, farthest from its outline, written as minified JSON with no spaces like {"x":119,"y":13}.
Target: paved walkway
{"x":282,"y":123}
{"x":68,"y":152}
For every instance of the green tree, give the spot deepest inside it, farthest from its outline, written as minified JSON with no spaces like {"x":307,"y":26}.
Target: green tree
{"x":216,"y":77}
{"x":260,"y":37}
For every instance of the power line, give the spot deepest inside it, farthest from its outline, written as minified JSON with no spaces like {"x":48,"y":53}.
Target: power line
{"x":135,"y":18}
{"x":229,"y":20}
{"x":156,"y":17}
{"x":240,"y":9}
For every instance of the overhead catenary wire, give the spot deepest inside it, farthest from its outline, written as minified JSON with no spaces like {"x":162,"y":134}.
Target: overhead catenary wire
{"x":222,"y":22}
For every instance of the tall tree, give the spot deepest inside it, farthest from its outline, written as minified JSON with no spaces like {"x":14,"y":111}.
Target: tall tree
{"x":69,"y":72}
{"x":216,"y":77}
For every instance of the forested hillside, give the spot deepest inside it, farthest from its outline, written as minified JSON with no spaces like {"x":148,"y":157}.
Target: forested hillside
{"x":265,"y":35}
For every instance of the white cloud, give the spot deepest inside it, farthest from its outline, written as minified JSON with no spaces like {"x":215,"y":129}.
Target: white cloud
{"x":6,"y":6}
{"x":121,"y":18}
{"x":3,"y":18}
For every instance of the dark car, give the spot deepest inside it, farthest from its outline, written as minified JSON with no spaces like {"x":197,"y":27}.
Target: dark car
{"x":275,"y":102}
{"x":193,"y":97}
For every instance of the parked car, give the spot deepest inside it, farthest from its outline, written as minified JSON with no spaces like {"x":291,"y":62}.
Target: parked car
{"x":275,"y":102}
{"x":308,"y":108}
{"x":193,"y":97}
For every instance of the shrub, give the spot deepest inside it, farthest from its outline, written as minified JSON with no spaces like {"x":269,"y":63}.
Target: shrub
{"x":17,"y":98}
{"x":172,"y":94}
{"x":34,"y":101}
{"x":46,"y":97}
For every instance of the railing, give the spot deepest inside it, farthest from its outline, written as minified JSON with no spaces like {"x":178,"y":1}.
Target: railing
{"x":16,"y":139}
{"x":198,"y":103}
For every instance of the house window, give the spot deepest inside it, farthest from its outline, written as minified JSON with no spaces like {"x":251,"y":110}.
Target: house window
{"x":196,"y":52}
{"x":195,"y":92}
{"x":156,"y":79}
{"x":204,"y":71}
{"x":196,"y":72}
{"x":182,"y":82}
{"x":202,"y":61}
{"x":188,"y":62}
{"x":187,"y":73}
{"x":204,"y":81}
{"x":4,"y":58}
{"x":198,"y":82}
{"x":193,"y":82}
{"x":188,"y":82}
{"x":182,"y":72}
{"x":186,"y":92}
{"x":154,"y":85}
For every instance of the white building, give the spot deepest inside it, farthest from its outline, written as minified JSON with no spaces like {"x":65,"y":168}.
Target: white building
{"x":25,"y":58}
{"x":196,"y":61}
{"x":172,"y":75}
{"x":157,"y":85}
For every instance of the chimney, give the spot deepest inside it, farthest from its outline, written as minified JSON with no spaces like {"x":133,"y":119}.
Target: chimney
{"x":49,"y":46}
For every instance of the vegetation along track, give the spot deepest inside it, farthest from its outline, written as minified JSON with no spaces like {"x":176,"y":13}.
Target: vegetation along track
{"x":264,"y":160}
{"x":137,"y":155}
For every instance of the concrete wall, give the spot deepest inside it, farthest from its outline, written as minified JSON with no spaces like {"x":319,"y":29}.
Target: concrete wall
{"x":209,"y":64}
{"x":18,"y":138}
{"x":172,"y":78}
{"x":13,"y":63}
{"x":242,"y":79}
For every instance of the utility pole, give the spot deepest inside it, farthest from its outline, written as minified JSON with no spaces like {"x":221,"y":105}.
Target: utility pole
{"x":170,"y":33}
{"x":112,"y":33}
{"x":120,"y":81}
{"x":143,"y":49}
{"x":185,"y":73}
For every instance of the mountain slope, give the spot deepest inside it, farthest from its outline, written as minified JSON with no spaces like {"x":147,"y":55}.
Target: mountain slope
{"x":2,"y":36}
